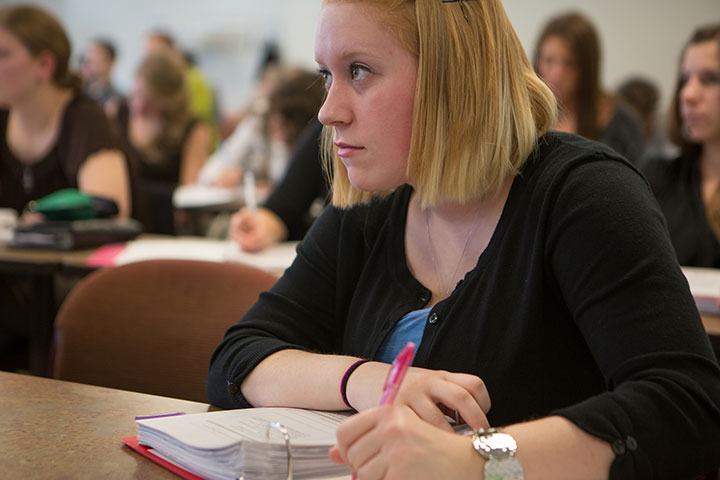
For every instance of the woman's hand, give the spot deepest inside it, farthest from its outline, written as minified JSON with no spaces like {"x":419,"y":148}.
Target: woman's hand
{"x":431,"y":394}
{"x":392,"y":442}
{"x":253,"y":232}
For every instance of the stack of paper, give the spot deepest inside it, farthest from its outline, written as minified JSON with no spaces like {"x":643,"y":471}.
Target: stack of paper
{"x":705,"y":288}
{"x":275,"y":258}
{"x":234,"y":444}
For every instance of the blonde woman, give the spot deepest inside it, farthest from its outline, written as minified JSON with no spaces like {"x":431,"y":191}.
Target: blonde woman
{"x":168,"y":144}
{"x":531,"y":268}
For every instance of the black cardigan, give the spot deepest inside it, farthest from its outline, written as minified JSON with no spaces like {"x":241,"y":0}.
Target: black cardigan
{"x":577,"y":307}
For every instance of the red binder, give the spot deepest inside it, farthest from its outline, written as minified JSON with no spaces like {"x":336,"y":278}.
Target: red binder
{"x":132,"y":442}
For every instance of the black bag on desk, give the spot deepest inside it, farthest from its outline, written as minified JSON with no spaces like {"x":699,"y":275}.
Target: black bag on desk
{"x":71,"y":235}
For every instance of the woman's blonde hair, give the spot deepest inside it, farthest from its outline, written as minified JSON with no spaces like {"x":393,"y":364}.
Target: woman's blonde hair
{"x":39,"y":31}
{"x":479,"y":106}
{"x":164,"y":78}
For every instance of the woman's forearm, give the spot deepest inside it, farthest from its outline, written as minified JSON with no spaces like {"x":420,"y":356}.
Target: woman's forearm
{"x":554,"y":447}
{"x":298,"y":379}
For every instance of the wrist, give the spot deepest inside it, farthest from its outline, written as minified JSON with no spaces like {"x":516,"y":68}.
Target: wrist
{"x":346,"y":378}
{"x":364,"y":387}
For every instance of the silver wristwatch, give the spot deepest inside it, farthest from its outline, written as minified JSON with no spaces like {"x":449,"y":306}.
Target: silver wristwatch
{"x":498,"y":449}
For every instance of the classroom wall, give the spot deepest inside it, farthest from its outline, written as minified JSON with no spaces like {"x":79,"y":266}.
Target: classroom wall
{"x":638,"y":37}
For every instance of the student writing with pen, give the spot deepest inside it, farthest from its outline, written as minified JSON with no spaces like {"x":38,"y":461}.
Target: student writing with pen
{"x":532,"y":269}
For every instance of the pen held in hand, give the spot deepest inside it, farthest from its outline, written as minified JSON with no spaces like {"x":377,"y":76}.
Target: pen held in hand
{"x":249,"y":191}
{"x":397,"y":373}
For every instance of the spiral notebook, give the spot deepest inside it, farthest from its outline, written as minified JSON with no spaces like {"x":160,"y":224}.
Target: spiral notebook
{"x":256,"y":443}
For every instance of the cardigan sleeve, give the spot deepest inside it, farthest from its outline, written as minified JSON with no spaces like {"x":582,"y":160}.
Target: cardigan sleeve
{"x":616,"y":269}
{"x":296,"y":313}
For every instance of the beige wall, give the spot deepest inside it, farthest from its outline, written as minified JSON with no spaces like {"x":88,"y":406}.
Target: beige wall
{"x":638,"y":36}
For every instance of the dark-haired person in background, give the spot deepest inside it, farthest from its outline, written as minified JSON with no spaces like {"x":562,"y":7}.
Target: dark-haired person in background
{"x":688,"y":187}
{"x":567,"y":58}
{"x":96,"y":70}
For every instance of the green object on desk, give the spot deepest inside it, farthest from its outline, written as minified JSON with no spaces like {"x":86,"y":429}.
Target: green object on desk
{"x":72,"y":204}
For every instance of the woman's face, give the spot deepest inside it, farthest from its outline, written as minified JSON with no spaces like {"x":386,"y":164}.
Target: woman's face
{"x":700,"y":92}
{"x":142,"y":103}
{"x":20,"y":71}
{"x":370,"y":80}
{"x":557,"y":66}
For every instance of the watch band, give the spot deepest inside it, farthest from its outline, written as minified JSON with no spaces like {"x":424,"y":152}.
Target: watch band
{"x":498,"y":449}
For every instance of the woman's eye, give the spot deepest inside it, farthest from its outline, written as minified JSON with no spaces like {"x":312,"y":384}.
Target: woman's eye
{"x":710,"y":78}
{"x":326,"y":79}
{"x":358,"y":73}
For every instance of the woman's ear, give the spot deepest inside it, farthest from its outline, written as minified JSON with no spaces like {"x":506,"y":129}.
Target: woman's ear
{"x":47,"y":64}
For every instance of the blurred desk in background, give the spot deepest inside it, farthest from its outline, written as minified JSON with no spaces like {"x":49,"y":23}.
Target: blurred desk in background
{"x":43,"y":268}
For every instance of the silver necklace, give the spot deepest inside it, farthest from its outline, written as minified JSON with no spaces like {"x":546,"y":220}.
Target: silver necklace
{"x":450,"y":284}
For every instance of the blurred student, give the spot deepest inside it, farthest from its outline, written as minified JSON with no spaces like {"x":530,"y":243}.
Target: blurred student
{"x":52,"y":137}
{"x":688,"y":187}
{"x":97,"y":65}
{"x":203,"y":103}
{"x":168,"y":144}
{"x":567,"y":58}
{"x":263,"y":140}
{"x":289,"y":210}
{"x":643,"y":96}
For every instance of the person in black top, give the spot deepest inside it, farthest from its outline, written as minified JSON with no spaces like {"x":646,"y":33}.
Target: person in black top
{"x":688,"y":187}
{"x":531,"y":267}
{"x":286,"y":213}
{"x":51,"y":135}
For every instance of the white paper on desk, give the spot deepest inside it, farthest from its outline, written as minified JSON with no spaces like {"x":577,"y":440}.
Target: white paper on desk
{"x":705,"y":287}
{"x":274,"y":259}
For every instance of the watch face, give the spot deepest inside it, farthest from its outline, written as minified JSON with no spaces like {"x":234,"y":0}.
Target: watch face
{"x":495,"y":445}
{"x":501,"y":441}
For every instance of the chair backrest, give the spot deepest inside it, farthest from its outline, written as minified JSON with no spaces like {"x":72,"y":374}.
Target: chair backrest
{"x":152,"y":326}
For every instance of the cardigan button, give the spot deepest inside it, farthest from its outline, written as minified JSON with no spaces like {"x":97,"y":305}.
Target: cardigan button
{"x":433,"y":318}
{"x":631,"y":443}
{"x":232,"y":388}
{"x":618,"y":447}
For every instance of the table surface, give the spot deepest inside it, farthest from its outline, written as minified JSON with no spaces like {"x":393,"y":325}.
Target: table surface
{"x":52,"y":429}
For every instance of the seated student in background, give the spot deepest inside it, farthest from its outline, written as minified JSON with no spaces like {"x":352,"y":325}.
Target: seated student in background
{"x":688,"y":187}
{"x":567,"y":58}
{"x":203,"y":103}
{"x":167,"y":142}
{"x":51,"y":135}
{"x":96,"y":69}
{"x":287,"y":213}
{"x":531,"y":267}
{"x":263,"y":140}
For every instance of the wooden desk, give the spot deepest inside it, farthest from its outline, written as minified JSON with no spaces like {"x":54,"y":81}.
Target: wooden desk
{"x":53,"y":429}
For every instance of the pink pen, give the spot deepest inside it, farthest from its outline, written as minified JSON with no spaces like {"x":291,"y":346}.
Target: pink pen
{"x":395,"y":377}
{"x":397,"y":373}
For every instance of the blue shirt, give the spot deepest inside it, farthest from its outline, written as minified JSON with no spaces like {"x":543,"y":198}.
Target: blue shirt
{"x":410,"y":328}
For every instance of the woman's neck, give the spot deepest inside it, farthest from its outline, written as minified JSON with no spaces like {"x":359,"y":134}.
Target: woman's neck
{"x":710,"y":161}
{"x":42,"y":109}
